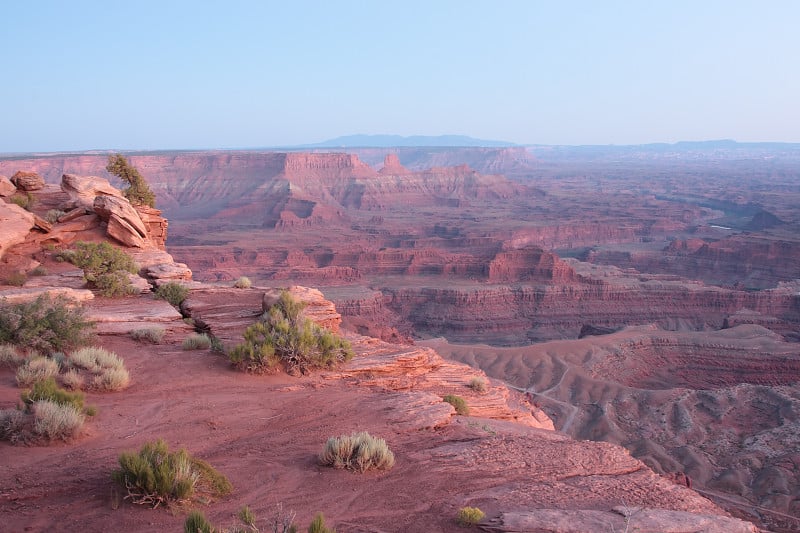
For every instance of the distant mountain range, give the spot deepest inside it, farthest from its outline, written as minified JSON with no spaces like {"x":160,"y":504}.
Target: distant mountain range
{"x":392,"y":141}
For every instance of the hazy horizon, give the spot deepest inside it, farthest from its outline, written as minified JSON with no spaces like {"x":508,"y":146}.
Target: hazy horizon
{"x":186,"y":75}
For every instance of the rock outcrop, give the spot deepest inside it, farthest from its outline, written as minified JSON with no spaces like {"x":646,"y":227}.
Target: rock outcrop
{"x":27,"y":181}
{"x":124,"y":223}
{"x":82,"y":190}
{"x":6,"y":187}
{"x":16,"y":224}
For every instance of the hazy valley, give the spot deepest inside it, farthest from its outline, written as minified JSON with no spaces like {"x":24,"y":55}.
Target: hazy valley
{"x":642,"y":296}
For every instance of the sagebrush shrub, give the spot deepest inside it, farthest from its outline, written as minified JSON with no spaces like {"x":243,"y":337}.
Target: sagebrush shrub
{"x":477,"y":384}
{"x":56,"y":421}
{"x":108,"y":369}
{"x":95,"y":359}
{"x":111,"y":379}
{"x":53,"y":215}
{"x":45,"y":324}
{"x":72,"y":379}
{"x":152,"y":335}
{"x":469,"y":516}
{"x":10,"y":356}
{"x":283,"y":335}
{"x":196,"y":341}
{"x":156,"y":476}
{"x":458,"y":402}
{"x":36,"y":369}
{"x":243,"y":283}
{"x":17,"y":279}
{"x":359,"y":451}
{"x":12,"y":422}
{"x":173,"y":292}
{"x":105,"y":267}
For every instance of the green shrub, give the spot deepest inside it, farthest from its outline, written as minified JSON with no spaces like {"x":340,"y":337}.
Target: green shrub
{"x":284,"y":336}
{"x":53,"y":420}
{"x":10,"y":356}
{"x":46,"y":324}
{"x":105,"y":267}
{"x":477,"y":384}
{"x":25,"y":201}
{"x":17,"y":279}
{"x":53,"y":215}
{"x":35,"y":370}
{"x":243,"y":283}
{"x":156,"y":476}
{"x":47,"y":390}
{"x":318,"y":525}
{"x":458,"y":402}
{"x":152,"y":335}
{"x":196,"y":341}
{"x":173,"y":292}
{"x":196,"y":522}
{"x":39,"y":271}
{"x":469,"y":516}
{"x":359,"y":451}
{"x":138,"y":191}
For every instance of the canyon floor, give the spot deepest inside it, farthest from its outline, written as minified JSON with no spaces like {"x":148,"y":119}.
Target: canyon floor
{"x":637,"y":296}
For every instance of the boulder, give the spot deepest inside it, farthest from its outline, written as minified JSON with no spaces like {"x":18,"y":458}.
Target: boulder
{"x":6,"y":187}
{"x":16,"y":223}
{"x":169,"y":272}
{"x":124,"y":223}
{"x":27,"y":181}
{"x":29,"y":294}
{"x":82,"y":190}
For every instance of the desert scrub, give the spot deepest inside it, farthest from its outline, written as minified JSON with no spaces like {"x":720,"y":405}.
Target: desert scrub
{"x":45,"y":324}
{"x":359,"y":452}
{"x":53,"y":420}
{"x":36,"y":369}
{"x":12,"y":424}
{"x":107,"y":369}
{"x":318,"y":525}
{"x":173,"y":292}
{"x":17,"y":279}
{"x":47,"y":390}
{"x":196,"y":341}
{"x":10,"y":356}
{"x":151,"y":335}
{"x":39,"y":271}
{"x":156,"y":476}
{"x":25,"y":201}
{"x":53,"y":215}
{"x":73,"y":379}
{"x":458,"y":402}
{"x":197,"y":522}
{"x":284,"y":336}
{"x":477,"y":384}
{"x":469,"y":516}
{"x":105,"y":267}
{"x":243,"y":283}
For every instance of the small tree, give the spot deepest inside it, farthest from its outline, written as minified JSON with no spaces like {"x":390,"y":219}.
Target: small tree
{"x":138,"y":191}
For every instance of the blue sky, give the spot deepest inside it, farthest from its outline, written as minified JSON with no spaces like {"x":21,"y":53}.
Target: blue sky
{"x":193,"y":74}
